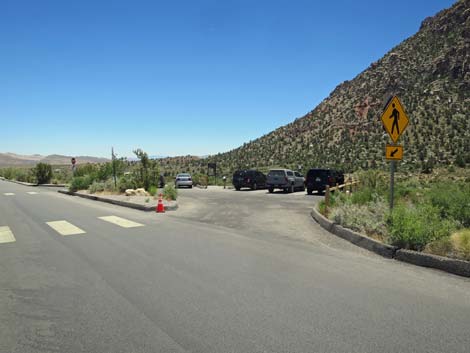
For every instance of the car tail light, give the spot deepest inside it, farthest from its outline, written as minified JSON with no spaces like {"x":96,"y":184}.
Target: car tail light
{"x":330,"y":180}
{"x":190,"y":178}
{"x":248,"y":180}
{"x":177,"y":179}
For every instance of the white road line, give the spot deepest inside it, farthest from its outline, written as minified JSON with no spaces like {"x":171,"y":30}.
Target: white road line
{"x":65,"y":228}
{"x":122,"y":222}
{"x":32,"y":192}
{"x":9,"y":193}
{"x":6,"y":236}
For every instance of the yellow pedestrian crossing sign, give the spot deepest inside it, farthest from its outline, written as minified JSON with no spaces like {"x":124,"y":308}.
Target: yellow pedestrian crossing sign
{"x":394,"y":119}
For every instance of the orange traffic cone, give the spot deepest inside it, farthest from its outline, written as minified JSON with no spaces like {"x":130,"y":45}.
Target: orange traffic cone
{"x":160,"y":206}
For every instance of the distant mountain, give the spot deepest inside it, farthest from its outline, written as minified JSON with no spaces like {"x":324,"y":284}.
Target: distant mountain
{"x":11,"y":159}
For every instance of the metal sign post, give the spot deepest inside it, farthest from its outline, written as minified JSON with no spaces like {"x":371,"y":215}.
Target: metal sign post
{"x":392,"y":183}
{"x":212,"y":166}
{"x":395,"y":121}
{"x":113,"y":158}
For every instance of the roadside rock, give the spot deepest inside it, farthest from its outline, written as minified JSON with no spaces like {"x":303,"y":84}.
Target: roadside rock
{"x":130,"y":192}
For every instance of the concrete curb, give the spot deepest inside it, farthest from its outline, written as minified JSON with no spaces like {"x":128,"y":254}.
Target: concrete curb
{"x":457,"y":267}
{"x":32,"y":184}
{"x":355,"y":238}
{"x":20,"y":182}
{"x":118,"y":202}
{"x":53,"y":185}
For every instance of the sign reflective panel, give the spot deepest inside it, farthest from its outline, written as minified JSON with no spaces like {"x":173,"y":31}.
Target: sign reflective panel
{"x":394,"y":153}
{"x":395,"y":119}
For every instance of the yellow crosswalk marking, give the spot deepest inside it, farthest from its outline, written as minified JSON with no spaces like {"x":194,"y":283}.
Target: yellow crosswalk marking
{"x":6,"y":236}
{"x":122,"y":222}
{"x":65,"y":228}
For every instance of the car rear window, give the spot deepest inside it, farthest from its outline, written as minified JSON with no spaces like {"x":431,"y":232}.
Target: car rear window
{"x":290,"y":173}
{"x":317,"y":172}
{"x":276,"y":173}
{"x":239,"y":173}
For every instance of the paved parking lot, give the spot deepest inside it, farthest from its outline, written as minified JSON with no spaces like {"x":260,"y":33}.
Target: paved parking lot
{"x":259,"y":214}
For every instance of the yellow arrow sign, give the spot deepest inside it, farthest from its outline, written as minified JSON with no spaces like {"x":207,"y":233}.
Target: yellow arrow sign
{"x":395,"y":119}
{"x":394,"y":153}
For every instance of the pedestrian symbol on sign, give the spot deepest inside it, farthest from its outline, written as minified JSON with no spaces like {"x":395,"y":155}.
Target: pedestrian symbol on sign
{"x":396,"y":116}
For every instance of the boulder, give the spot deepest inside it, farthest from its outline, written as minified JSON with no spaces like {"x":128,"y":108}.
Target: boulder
{"x":130,"y":192}
{"x":141,"y":192}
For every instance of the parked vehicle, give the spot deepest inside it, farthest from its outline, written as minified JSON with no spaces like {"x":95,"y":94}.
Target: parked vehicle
{"x":285,"y":179}
{"x":318,"y":179}
{"x":183,"y":179}
{"x":252,"y":179}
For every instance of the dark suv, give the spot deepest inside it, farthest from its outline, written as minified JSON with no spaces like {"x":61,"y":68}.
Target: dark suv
{"x":252,"y":179}
{"x":318,"y":179}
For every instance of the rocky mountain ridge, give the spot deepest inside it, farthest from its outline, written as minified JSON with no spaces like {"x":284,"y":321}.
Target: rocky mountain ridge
{"x":429,"y":72}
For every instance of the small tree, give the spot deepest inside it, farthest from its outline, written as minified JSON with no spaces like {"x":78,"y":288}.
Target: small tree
{"x":43,"y":172}
{"x":144,"y":168}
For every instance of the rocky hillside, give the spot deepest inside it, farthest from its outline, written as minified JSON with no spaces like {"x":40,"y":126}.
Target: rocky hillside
{"x":430,"y":72}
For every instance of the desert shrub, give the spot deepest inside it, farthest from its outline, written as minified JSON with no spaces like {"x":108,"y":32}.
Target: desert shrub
{"x":43,"y":172}
{"x":169,"y":192}
{"x":413,"y":227}
{"x":109,"y":185}
{"x":452,"y":200}
{"x":26,"y":175}
{"x":126,"y":182}
{"x":104,"y":171}
{"x":364,"y":196}
{"x":96,"y":186}
{"x":152,"y":190}
{"x":442,"y":247}
{"x":461,"y":241}
{"x":87,"y":169}
{"x":370,"y":218}
{"x":80,"y":183}
{"x":372,"y":178}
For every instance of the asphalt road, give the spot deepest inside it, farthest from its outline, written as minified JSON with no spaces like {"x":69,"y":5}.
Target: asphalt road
{"x":201,"y":280}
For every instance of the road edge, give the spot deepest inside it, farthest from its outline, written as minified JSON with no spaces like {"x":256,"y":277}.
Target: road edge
{"x":118,"y":202}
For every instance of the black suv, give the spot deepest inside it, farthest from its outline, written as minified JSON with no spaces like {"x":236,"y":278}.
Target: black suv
{"x":318,"y":179}
{"x":252,"y":179}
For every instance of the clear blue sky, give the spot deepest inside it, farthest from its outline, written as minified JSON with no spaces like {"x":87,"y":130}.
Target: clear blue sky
{"x":180,"y":77}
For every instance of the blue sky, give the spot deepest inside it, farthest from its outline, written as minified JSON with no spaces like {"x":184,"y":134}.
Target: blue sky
{"x":180,"y":77}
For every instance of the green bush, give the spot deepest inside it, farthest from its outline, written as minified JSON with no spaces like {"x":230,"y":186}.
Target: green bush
{"x":126,"y":182}
{"x":87,"y":169}
{"x":80,"y":183}
{"x":169,"y":192}
{"x":43,"y":172}
{"x":152,"y":190}
{"x":96,"y":186}
{"x":414,"y":227}
{"x":452,"y":200}
{"x":363,"y":196}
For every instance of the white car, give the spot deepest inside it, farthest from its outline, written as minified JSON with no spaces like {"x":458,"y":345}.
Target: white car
{"x":183,"y":179}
